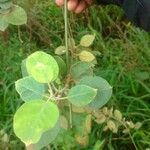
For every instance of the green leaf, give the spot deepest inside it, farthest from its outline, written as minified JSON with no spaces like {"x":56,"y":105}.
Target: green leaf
{"x":33,"y":118}
{"x":42,"y":66}
{"x":86,"y":56}
{"x":24,"y":68}
{"x":60,"y":50}
{"x":29,"y":89}
{"x":17,"y":16}
{"x":104,"y":90}
{"x":81,"y":95}
{"x":5,"y":5}
{"x":3,"y":23}
{"x":81,"y":69}
{"x":62,"y":65}
{"x":47,"y":137}
{"x":78,"y":122}
{"x":87,"y":40}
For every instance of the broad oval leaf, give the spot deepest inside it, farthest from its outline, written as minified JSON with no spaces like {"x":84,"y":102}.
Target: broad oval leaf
{"x":33,"y":118}
{"x":29,"y":89}
{"x":17,"y":16}
{"x":104,"y":90}
{"x":47,"y":137}
{"x":81,"y":95}
{"x":86,"y":56}
{"x":81,"y":69}
{"x":87,"y":40}
{"x":42,"y":66}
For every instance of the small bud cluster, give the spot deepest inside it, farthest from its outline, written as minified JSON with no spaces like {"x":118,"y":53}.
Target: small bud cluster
{"x":113,"y":120}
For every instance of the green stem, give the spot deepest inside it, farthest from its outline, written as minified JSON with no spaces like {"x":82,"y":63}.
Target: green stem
{"x":66,"y":32}
{"x":67,"y":50}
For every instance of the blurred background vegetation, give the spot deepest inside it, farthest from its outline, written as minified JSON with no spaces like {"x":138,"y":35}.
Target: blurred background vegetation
{"x":124,"y":62}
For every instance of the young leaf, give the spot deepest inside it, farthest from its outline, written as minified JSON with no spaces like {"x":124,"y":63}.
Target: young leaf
{"x":5,"y":5}
{"x":112,"y":126}
{"x":101,"y":119}
{"x":87,"y":40}
{"x":29,"y":89}
{"x":42,"y":66}
{"x":47,"y":137}
{"x":86,"y":56}
{"x":60,"y":50}
{"x":82,"y":140}
{"x":126,"y":131}
{"x":17,"y":16}
{"x":33,"y":118}
{"x":104,"y":90}
{"x":138,"y":125}
{"x":81,"y":69}
{"x":81,"y":95}
{"x":130,"y":124}
{"x":88,"y":123}
{"x":105,"y":111}
{"x":118,"y":115}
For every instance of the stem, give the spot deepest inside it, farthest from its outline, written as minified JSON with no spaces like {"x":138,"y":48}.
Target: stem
{"x":128,"y":133}
{"x":66,"y":32}
{"x":61,"y":98}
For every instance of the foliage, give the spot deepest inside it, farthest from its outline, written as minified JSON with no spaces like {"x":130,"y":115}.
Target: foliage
{"x":128,"y":92}
{"x":114,"y":120}
{"x":38,"y":114}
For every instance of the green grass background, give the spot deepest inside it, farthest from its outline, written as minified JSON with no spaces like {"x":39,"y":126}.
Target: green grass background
{"x":124,"y":62}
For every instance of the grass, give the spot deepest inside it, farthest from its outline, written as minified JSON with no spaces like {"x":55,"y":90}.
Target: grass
{"x":124,"y":62}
